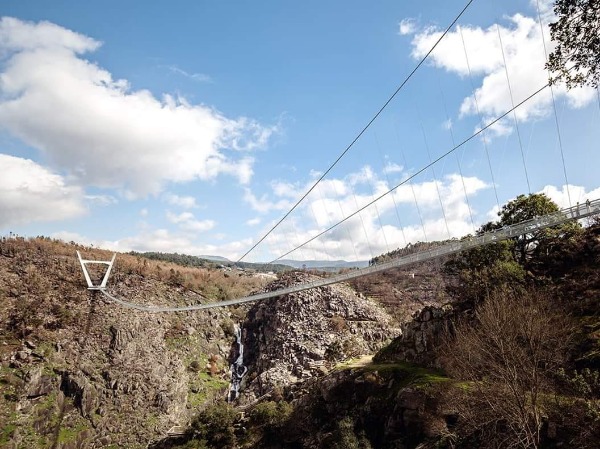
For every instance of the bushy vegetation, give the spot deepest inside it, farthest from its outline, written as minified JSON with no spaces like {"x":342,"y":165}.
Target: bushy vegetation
{"x":526,"y":358}
{"x":221,"y":426}
{"x":345,"y":436}
{"x":214,"y":426}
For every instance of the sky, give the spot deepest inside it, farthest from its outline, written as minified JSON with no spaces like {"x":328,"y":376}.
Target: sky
{"x":195,"y":126}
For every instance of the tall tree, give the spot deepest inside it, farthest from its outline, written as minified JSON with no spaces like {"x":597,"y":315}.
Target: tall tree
{"x":576,"y":58}
{"x":526,"y":207}
{"x":507,"y":357}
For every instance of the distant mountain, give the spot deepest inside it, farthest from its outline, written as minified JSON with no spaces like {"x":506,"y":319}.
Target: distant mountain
{"x":215,"y":258}
{"x":324,"y":264}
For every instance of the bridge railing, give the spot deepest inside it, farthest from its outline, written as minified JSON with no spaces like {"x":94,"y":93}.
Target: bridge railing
{"x":577,"y":212}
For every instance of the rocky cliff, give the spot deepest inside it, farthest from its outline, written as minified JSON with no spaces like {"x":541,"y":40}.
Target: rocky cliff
{"x":77,"y":371}
{"x":295,"y":337}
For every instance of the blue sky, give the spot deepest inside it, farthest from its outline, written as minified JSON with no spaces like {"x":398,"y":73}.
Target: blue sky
{"x":194,"y":126}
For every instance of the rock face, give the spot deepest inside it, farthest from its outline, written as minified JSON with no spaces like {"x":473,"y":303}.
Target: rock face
{"x":78,"y":371}
{"x":292,"y":338}
{"x":386,"y":409}
{"x":421,"y":336}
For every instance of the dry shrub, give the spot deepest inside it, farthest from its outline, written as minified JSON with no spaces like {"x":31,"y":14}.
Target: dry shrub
{"x":506,"y":359}
{"x":338,"y":323}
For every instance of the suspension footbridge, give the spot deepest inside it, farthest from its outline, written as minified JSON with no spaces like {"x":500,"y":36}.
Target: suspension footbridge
{"x":526,"y":227}
{"x":390,"y":195}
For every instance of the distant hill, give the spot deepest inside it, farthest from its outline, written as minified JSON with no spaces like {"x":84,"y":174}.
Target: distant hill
{"x":215,"y":258}
{"x":281,"y":265}
{"x":215,"y":261}
{"x":324,"y":264}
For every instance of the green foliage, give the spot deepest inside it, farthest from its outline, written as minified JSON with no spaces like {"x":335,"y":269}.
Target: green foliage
{"x":179,"y":259}
{"x":67,"y":435}
{"x":527,"y":207}
{"x":411,"y":248}
{"x":577,"y":34}
{"x":484,"y":270}
{"x":194,"y":444}
{"x":271,"y":414}
{"x":345,"y":437}
{"x":215,"y":426}
{"x":504,"y":265}
{"x":6,"y":433}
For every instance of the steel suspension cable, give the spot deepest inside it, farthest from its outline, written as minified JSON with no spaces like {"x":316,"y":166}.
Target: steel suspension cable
{"x":388,"y":183}
{"x":540,"y":222}
{"x":364,"y":129}
{"x":512,"y":102}
{"x":435,"y":181}
{"x":562,"y":153}
{"x":412,"y":187}
{"x":485,"y":146}
{"x":379,"y":216}
{"x":452,"y":150}
{"x":458,"y":162}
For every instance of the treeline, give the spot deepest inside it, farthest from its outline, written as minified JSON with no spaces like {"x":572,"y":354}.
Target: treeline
{"x":194,"y":261}
{"x":179,"y":259}
{"x":408,"y":249}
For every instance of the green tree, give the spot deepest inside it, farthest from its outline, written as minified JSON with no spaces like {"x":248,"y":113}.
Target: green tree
{"x":214,"y":426}
{"x":527,"y":207}
{"x":502,"y":266}
{"x":576,"y":58}
{"x":484,"y":270}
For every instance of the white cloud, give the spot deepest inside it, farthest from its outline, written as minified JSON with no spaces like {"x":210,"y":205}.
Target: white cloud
{"x":101,"y":200}
{"x":263,"y":204}
{"x":546,"y":9}
{"x":30,"y":192}
{"x":524,"y":52}
{"x":160,"y":240}
{"x":188,"y":222}
{"x":101,"y":131}
{"x":392,"y":167}
{"x":407,"y":26}
{"x":576,"y":194}
{"x":363,"y":235}
{"x":359,"y":238}
{"x":185,"y":202}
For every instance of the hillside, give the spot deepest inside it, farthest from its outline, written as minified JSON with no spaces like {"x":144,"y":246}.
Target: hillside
{"x":211,"y":262}
{"x":511,"y":361}
{"x":77,"y":371}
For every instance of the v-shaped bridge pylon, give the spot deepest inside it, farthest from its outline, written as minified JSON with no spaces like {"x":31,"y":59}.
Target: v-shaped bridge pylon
{"x":88,"y":279}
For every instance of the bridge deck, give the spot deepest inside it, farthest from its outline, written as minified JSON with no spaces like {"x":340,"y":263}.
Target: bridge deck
{"x":572,"y":213}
